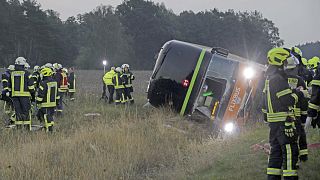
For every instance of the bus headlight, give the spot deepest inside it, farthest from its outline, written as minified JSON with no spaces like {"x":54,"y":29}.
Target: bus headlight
{"x":248,"y":73}
{"x":229,"y":127}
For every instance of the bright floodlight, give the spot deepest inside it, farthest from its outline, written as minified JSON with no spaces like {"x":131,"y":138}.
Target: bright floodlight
{"x":229,"y":127}
{"x":248,"y":73}
{"x":104,"y":62}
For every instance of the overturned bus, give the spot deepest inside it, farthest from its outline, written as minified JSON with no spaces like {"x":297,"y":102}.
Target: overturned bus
{"x":210,"y":82}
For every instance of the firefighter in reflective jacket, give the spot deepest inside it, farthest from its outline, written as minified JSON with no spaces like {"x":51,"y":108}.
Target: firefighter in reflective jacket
{"x":47,"y":98}
{"x":300,"y":110}
{"x":314,"y":103}
{"x":72,"y":84}
{"x":62,"y":80}
{"x":127,"y":78}
{"x":22,"y":88}
{"x":107,"y":79}
{"x":118,"y":86}
{"x":36,"y":76}
{"x":6,"y":94}
{"x":279,"y":101}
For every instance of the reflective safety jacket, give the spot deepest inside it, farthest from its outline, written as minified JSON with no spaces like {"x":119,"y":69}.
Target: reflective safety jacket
{"x":300,"y":109}
{"x":314,"y":103}
{"x":5,"y":79}
{"x":279,"y":98}
{"x":127,"y":78}
{"x":107,"y":78}
{"x":117,"y":81}
{"x":21,"y":82}
{"x":48,"y":93}
{"x":72,"y":82}
{"x":62,"y":80}
{"x":36,"y":79}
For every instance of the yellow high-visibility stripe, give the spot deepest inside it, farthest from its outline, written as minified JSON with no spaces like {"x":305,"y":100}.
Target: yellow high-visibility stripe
{"x":274,"y":171}
{"x":270,"y":108}
{"x":313,"y":106}
{"x":296,"y":98}
{"x":289,"y":155}
{"x":287,"y":173}
{"x":283,"y":93}
{"x":315,"y":82}
{"x":303,"y":152}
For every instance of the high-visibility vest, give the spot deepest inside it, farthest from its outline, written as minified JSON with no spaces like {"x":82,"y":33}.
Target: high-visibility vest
{"x":20,"y":84}
{"x":48,"y":94}
{"x":64,"y":83}
{"x":72,"y":83}
{"x":118,"y":84}
{"x":107,"y":78}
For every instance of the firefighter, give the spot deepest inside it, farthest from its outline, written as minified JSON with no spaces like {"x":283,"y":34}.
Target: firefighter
{"x":314,"y":103}
{"x":107,"y":79}
{"x":36,"y":76}
{"x":118,"y":86}
{"x":47,"y":99}
{"x":127,"y":78}
{"x":72,"y":84}
{"x":62,"y":80}
{"x":22,"y":90}
{"x":302,"y":69}
{"x":300,"y":110}
{"x":279,"y":102}
{"x":6,"y":94}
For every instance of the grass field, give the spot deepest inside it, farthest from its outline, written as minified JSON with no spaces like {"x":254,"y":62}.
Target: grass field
{"x":133,"y":143}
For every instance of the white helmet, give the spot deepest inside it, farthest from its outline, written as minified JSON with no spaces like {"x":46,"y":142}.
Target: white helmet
{"x":48,"y":65}
{"x":27,"y":66}
{"x":118,"y":69}
{"x":21,"y":61}
{"x":125,"y":66}
{"x":36,"y":68}
{"x":65,"y":70}
{"x":11,"y":67}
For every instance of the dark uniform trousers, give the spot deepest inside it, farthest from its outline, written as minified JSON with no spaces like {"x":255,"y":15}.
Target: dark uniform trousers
{"x":119,"y":96}
{"x":111,"y":92}
{"x":127,"y":95}
{"x":284,"y":153}
{"x":22,"y":107}
{"x":46,"y":115}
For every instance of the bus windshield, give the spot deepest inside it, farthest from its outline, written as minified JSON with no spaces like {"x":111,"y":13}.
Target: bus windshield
{"x":221,"y":67}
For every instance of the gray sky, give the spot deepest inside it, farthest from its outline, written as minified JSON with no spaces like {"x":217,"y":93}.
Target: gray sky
{"x":298,"y":20}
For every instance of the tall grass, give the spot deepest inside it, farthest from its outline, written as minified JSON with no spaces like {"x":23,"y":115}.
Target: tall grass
{"x":128,"y":142}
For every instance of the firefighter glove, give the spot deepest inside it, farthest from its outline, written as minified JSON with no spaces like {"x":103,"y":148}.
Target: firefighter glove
{"x":290,"y":129}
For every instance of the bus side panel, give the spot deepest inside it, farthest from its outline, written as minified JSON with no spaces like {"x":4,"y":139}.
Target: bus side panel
{"x":198,"y":83}
{"x":236,"y":97}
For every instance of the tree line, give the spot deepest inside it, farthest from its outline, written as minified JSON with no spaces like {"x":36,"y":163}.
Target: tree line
{"x":132,"y":32}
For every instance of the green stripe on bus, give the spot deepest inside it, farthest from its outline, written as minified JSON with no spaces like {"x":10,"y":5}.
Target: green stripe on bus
{"x":193,"y":80}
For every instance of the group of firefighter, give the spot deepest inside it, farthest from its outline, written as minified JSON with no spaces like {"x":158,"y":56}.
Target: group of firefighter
{"x":291,"y":102}
{"x":119,"y":81}
{"x":39,"y":93}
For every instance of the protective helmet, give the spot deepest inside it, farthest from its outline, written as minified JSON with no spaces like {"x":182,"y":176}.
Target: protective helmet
{"x":48,"y":65}
{"x":125,"y":66}
{"x":57,"y":66}
{"x":65,"y":70}
{"x":36,"y":68}
{"x":313,"y":62}
{"x":46,"y":72}
{"x":118,"y":69}
{"x":21,"y":61}
{"x":11,"y":68}
{"x":291,"y":62}
{"x":277,"y":56}
{"x":304,"y":61}
{"x":27,"y":66}
{"x":296,"y":50}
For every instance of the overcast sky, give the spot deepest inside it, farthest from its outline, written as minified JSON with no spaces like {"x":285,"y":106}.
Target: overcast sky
{"x":298,"y":20}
